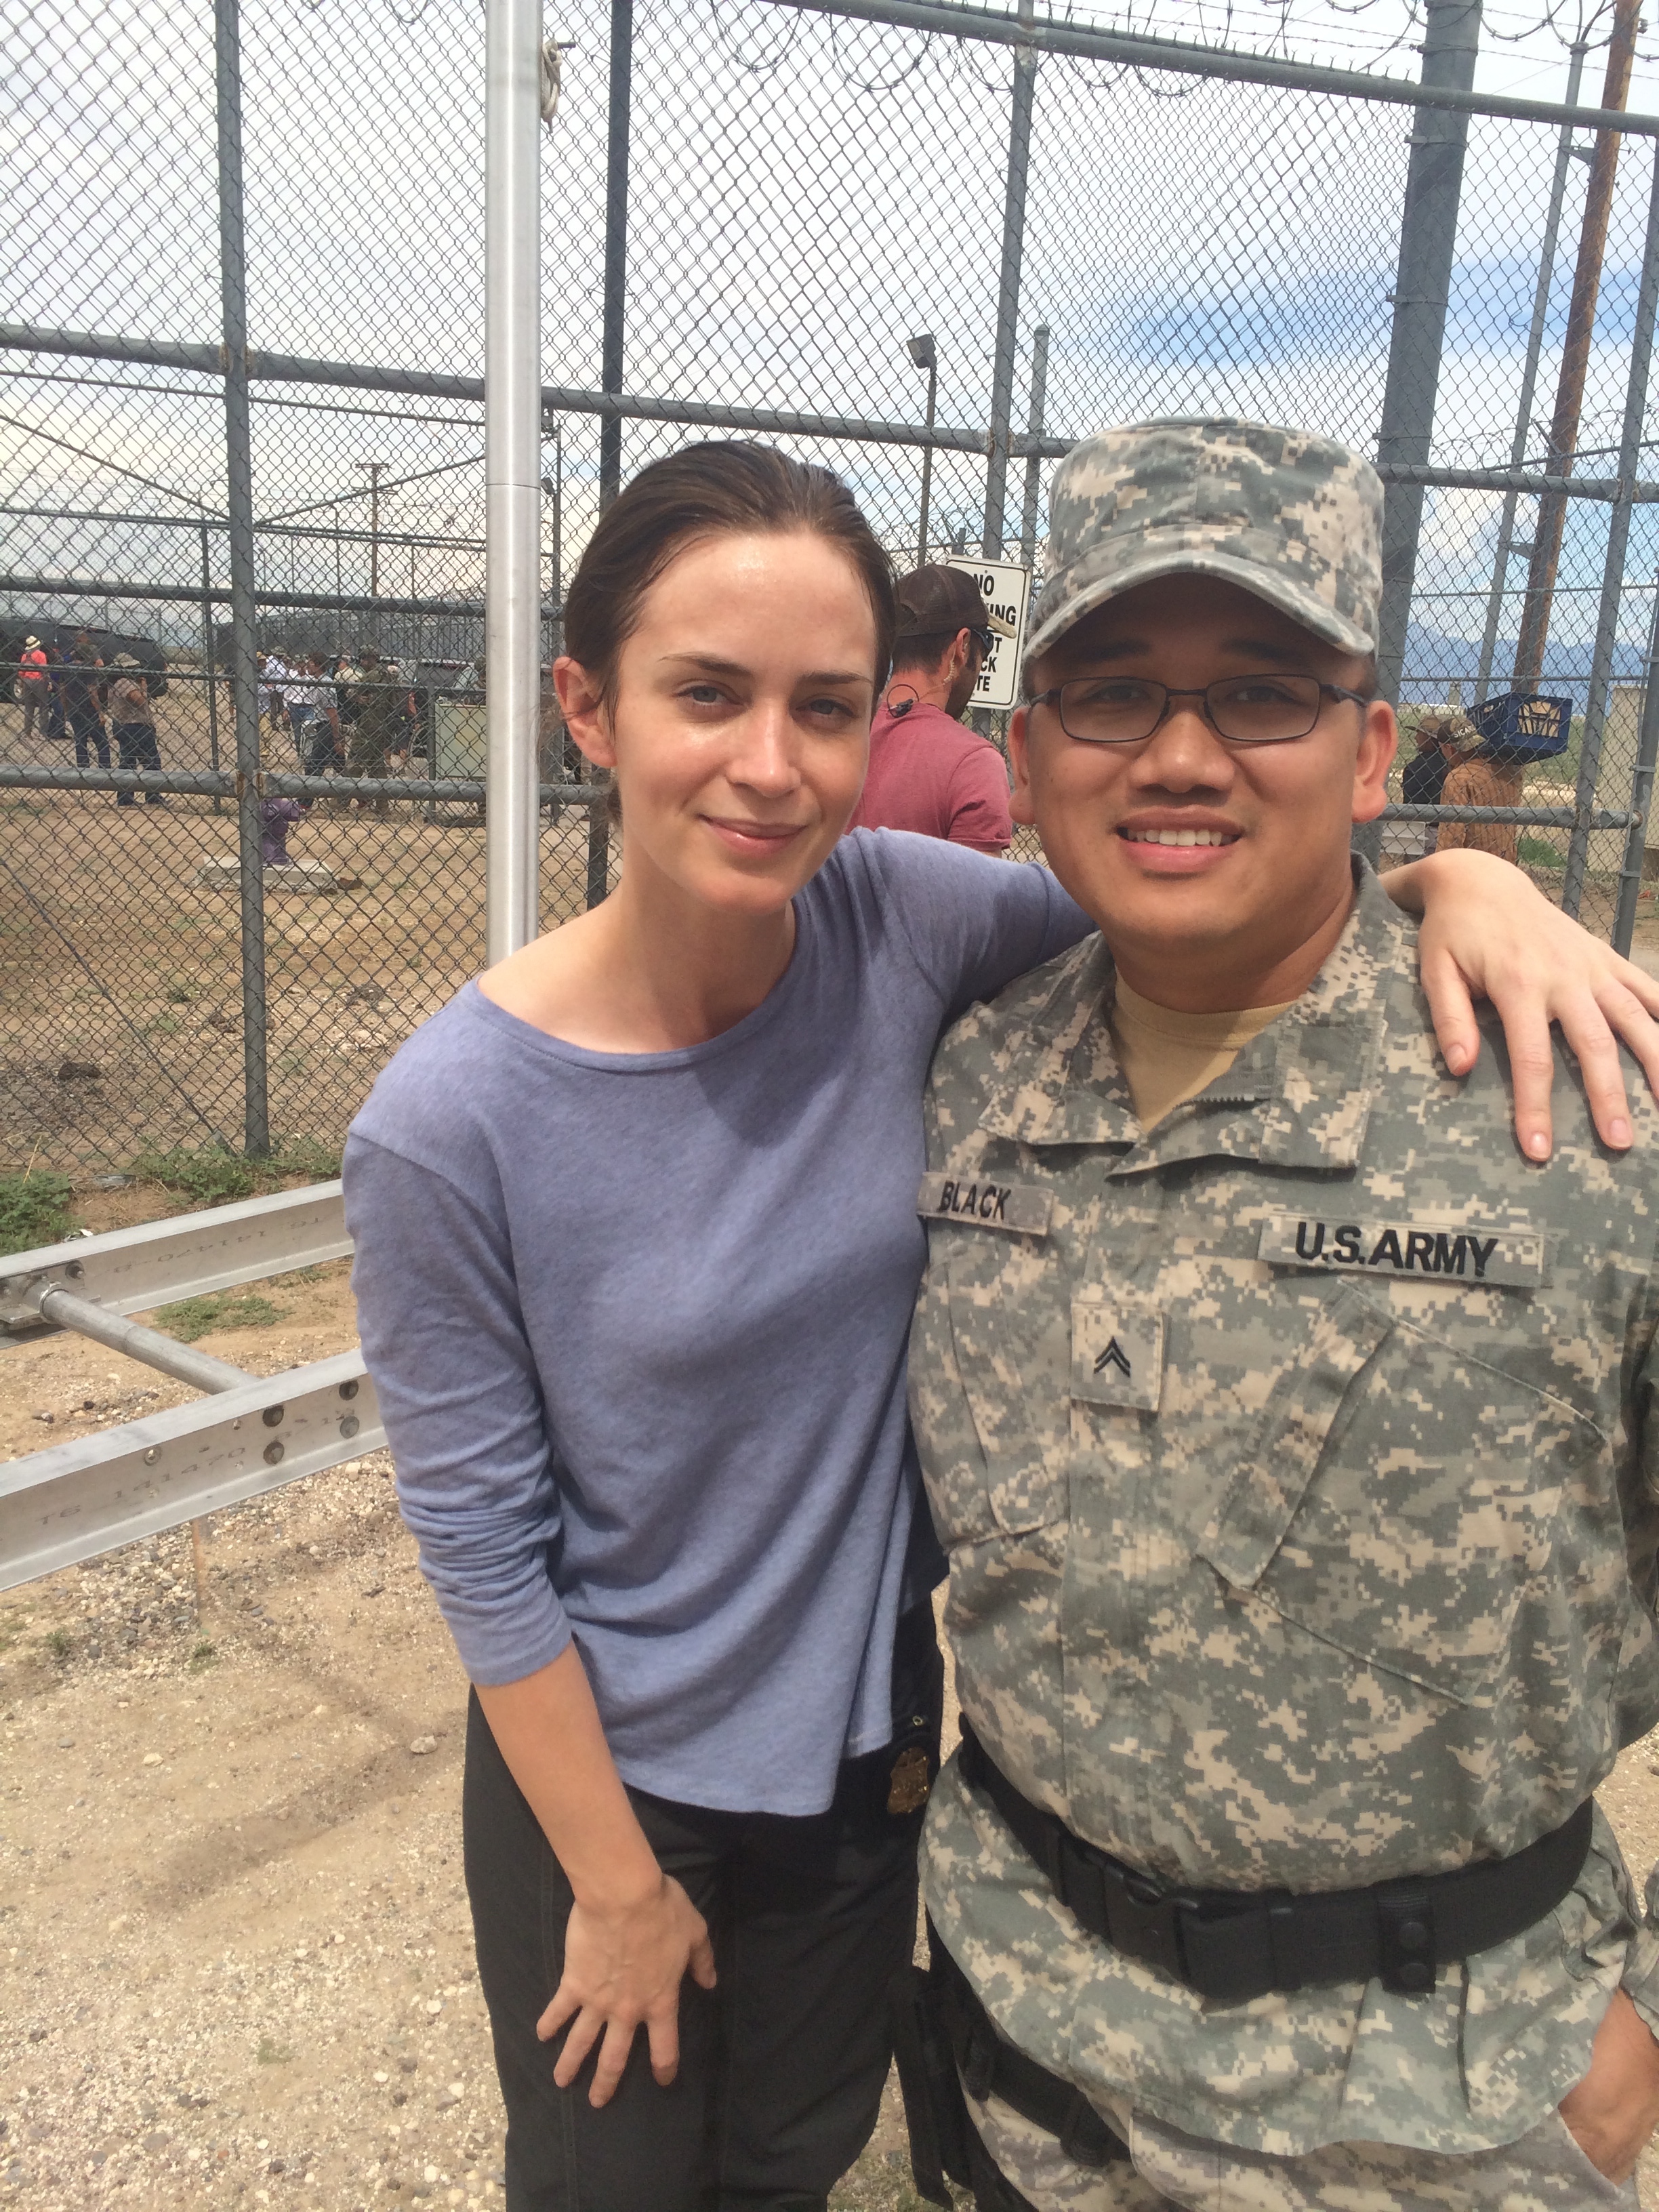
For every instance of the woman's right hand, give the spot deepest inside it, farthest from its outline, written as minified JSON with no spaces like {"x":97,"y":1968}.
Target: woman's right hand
{"x":623,"y":1965}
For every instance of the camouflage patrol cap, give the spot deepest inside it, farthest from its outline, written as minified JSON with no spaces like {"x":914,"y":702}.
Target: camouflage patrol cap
{"x":1289,"y":515}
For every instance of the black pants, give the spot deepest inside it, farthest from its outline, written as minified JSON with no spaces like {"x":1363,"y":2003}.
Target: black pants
{"x":138,"y":749}
{"x":87,"y":727}
{"x":782,"y":2064}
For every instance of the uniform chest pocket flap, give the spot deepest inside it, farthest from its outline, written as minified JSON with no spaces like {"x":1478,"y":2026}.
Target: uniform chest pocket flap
{"x":1011,"y":1323}
{"x":1399,"y":1497}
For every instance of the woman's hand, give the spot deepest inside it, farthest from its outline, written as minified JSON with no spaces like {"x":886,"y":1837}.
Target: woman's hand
{"x":633,"y":1932}
{"x":1487,"y":931}
{"x":623,"y":1966}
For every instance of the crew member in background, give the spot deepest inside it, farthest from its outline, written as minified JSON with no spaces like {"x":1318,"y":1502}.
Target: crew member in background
{"x":314,"y":717}
{"x":80,"y":681}
{"x":928,"y":772}
{"x":1424,"y":776}
{"x":1482,"y":775}
{"x":33,"y":686}
{"x":132,"y":725}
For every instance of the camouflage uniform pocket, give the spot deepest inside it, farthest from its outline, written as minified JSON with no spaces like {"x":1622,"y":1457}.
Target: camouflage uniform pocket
{"x":1400,"y":1496}
{"x":1013,"y":1339}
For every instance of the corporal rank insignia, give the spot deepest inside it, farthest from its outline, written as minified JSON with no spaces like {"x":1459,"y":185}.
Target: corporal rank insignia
{"x":981,"y":1202}
{"x":1117,"y":1354}
{"x":1473,"y":1257}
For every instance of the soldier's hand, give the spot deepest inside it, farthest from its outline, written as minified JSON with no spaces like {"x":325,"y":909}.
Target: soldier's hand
{"x":1615,"y":2108}
{"x":1487,"y":931}
{"x":622,"y":1970}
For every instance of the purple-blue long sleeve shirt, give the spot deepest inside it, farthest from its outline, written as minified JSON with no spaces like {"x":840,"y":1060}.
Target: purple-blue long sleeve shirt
{"x":638,"y":1324}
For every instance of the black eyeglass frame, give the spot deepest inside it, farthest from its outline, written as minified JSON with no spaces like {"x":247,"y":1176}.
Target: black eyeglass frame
{"x":1202,"y":691}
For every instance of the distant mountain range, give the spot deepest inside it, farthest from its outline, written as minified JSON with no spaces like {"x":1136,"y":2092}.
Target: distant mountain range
{"x":1433,"y":660}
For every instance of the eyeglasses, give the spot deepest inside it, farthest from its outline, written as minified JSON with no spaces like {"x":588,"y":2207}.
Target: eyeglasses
{"x":1244,"y":710}
{"x":983,"y":632}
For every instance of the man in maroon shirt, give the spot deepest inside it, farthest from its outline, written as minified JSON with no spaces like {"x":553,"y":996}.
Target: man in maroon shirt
{"x":927,"y":771}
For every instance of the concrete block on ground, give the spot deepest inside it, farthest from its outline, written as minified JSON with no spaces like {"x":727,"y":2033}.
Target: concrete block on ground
{"x":224,"y":873}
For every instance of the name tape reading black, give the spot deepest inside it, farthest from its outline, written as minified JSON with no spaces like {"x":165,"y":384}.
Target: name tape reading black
{"x":1507,"y":1258}
{"x":1022,"y":1208}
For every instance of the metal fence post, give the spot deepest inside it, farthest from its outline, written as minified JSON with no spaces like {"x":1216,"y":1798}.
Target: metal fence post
{"x":1034,"y":430}
{"x":209,"y":658}
{"x":513,"y":475}
{"x":1641,"y":789}
{"x":1013,"y":247}
{"x":615,"y":243}
{"x":1428,"y":237}
{"x":1541,"y":301}
{"x":1612,"y":570}
{"x":239,"y":502}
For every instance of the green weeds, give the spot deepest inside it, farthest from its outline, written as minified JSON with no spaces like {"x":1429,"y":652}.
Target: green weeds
{"x":193,"y":1317}
{"x":214,"y":1176}
{"x":34,"y":1209}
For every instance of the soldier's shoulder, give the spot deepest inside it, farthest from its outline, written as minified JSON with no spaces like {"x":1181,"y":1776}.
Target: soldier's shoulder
{"x":1026,"y":1015}
{"x":1585,"y":1178}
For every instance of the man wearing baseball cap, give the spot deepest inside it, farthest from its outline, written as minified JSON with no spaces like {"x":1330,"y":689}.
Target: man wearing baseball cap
{"x":1293,"y":1435}
{"x":928,"y":772}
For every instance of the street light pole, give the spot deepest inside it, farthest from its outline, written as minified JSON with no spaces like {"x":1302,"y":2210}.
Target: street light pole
{"x":925,"y":354}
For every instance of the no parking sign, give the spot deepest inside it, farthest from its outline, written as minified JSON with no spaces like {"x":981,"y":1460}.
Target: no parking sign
{"x":1006,"y":591}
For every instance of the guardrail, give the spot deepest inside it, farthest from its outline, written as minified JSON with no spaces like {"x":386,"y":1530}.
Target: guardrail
{"x":251,"y":1434}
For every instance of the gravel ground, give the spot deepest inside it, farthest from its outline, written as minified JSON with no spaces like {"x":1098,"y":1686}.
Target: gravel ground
{"x":236,"y":1965}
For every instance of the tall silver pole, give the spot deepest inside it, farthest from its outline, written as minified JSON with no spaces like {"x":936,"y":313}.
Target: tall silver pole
{"x":239,"y":507}
{"x":1428,"y":237}
{"x":1013,"y":248}
{"x":1034,"y":421}
{"x":1541,"y":302}
{"x":513,"y":420}
{"x":927,"y":465}
{"x":1612,"y":570}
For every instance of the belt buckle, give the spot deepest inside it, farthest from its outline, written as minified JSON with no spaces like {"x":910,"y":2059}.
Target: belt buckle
{"x":1143,"y":1918}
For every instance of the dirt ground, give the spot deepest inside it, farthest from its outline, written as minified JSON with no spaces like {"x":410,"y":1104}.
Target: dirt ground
{"x":121,"y":963}
{"x":236,"y":1967}
{"x":236,"y":1964}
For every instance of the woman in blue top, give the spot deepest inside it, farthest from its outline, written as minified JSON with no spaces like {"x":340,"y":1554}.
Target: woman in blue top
{"x":636,"y":1252}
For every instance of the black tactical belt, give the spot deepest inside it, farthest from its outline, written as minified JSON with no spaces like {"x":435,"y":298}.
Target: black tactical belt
{"x":991,"y":2067}
{"x":1231,"y":1944}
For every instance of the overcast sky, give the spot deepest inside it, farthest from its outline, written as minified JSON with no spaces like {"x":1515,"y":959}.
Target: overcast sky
{"x":805,"y":194}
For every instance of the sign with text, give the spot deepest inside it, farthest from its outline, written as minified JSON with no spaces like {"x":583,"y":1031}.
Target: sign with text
{"x":1006,"y":591}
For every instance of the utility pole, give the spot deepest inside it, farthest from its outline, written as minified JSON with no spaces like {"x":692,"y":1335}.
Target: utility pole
{"x":1541,"y":301}
{"x":374,"y":469}
{"x":1575,"y":358}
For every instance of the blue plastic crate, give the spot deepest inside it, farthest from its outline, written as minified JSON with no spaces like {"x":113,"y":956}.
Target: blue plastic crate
{"x":1528,"y":724}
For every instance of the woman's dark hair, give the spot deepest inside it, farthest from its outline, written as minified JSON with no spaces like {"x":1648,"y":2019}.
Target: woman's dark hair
{"x":717,"y":489}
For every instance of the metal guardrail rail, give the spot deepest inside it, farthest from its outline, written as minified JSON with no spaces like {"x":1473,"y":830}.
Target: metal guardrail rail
{"x":92,"y":1494}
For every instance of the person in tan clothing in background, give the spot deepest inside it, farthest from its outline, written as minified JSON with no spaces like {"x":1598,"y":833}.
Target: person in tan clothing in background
{"x":1483,"y":775}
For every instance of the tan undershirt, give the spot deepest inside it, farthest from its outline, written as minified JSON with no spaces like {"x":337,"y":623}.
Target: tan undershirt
{"x":1169,"y":1057}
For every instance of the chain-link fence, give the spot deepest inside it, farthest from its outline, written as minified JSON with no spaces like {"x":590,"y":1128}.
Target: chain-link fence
{"x":749,"y":208}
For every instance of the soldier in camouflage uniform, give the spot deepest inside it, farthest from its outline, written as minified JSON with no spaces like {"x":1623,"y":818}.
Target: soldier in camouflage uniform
{"x":1291,"y":1446}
